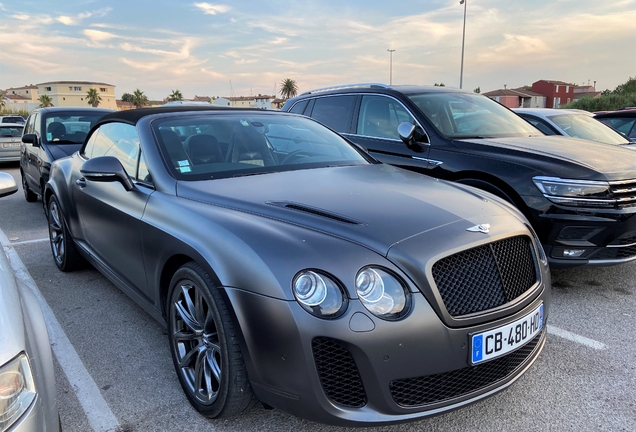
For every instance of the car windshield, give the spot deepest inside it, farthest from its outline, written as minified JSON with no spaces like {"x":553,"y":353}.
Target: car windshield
{"x":231,"y":145}
{"x":10,"y":131}
{"x":586,"y":127}
{"x":461,"y":115}
{"x":69,"y":128}
{"x":12,"y":120}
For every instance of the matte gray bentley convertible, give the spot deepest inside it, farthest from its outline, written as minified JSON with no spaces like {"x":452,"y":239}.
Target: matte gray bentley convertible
{"x":292,"y":268}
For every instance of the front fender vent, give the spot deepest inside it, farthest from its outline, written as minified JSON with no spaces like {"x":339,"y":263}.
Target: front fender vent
{"x":316,"y":212}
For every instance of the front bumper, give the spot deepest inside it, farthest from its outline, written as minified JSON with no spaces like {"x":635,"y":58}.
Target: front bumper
{"x":574,"y":237}
{"x":359,"y":370}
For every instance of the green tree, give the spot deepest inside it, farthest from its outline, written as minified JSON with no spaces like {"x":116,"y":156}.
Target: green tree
{"x":139,"y":99}
{"x":477,"y":90}
{"x":93,"y":98}
{"x":127,"y":97}
{"x":288,"y":88}
{"x":627,"y":87}
{"x":175,"y":96}
{"x":3,"y":103}
{"x":45,"y":101}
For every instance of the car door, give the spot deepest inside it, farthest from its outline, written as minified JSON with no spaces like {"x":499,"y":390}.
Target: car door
{"x":376,"y":128}
{"x":30,"y":152}
{"x":110,"y":216}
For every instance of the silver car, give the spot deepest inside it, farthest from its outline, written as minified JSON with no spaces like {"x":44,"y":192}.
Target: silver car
{"x":10,"y":141}
{"x":27,"y":379}
{"x":573,"y":123}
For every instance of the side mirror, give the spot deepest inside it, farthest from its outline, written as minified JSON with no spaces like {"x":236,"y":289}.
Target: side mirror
{"x":8,"y":185}
{"x":412,"y":137}
{"x":106,"y":169}
{"x":31,"y":139}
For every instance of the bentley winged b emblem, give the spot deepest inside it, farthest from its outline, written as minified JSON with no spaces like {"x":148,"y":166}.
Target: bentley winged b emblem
{"x":482,"y":228}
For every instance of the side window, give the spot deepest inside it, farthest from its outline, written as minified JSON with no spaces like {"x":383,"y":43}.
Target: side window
{"x":380,"y":117}
{"x":334,"y":111}
{"x":119,"y":140}
{"x":90,"y":145}
{"x":142,"y":172}
{"x":30,"y":125}
{"x":299,"y":107}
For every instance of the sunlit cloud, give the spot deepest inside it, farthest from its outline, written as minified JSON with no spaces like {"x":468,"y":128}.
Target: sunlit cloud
{"x":98,"y":35}
{"x":212,"y":9}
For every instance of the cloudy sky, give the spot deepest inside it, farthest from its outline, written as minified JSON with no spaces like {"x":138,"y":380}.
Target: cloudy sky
{"x":248,"y":47}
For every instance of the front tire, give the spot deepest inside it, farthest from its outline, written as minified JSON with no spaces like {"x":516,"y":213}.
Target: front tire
{"x":65,"y":253}
{"x":205,"y":347}
{"x":29,"y":195}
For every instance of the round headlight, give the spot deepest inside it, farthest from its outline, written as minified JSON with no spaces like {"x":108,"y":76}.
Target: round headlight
{"x":381,"y":293}
{"x":318,"y":294}
{"x":310,"y":289}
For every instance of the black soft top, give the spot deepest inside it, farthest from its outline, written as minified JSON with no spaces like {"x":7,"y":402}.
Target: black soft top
{"x":134,"y":115}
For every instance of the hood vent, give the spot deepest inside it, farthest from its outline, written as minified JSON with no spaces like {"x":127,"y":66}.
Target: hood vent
{"x":316,"y":212}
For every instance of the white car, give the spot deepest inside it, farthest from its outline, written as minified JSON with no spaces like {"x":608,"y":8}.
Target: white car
{"x":10,"y":141}
{"x":27,"y":379}
{"x":574,"y":123}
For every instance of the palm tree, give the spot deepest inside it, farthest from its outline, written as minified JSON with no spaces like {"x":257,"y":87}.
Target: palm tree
{"x":175,"y":96}
{"x":93,"y":98}
{"x":45,"y":101}
{"x":139,"y":99}
{"x":288,"y":88}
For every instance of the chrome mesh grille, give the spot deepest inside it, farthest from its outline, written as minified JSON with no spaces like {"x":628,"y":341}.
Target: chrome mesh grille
{"x":487,"y":276}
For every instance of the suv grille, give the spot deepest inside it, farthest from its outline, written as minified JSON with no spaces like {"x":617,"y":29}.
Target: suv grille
{"x":487,"y":276}
{"x":615,"y":253}
{"x":338,"y":373}
{"x":448,"y":385}
{"x":624,"y":192}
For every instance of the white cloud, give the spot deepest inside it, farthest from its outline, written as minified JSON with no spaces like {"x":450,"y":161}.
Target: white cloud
{"x":212,"y":9}
{"x":97,"y":36}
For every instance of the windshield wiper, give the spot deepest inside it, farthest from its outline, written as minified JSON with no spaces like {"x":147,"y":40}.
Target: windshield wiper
{"x":253,"y":174}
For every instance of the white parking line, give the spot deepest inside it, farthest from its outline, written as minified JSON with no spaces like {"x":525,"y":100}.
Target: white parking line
{"x":576,"y":338}
{"x":13,"y":243}
{"x":99,"y":415}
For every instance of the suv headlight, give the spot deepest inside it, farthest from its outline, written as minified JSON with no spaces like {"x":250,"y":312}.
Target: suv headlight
{"x":17,"y":390}
{"x":582,"y":193}
{"x":319,"y":294}
{"x":381,"y":293}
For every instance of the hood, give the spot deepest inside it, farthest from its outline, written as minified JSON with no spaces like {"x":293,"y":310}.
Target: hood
{"x":12,"y":332}
{"x":604,"y":161}
{"x":372,"y":205}
{"x":59,"y":151}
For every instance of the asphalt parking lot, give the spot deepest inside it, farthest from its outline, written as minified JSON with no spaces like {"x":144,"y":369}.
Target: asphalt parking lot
{"x":114,"y":370}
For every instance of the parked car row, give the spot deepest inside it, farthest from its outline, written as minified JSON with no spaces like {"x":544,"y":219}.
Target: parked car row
{"x":286,"y":259}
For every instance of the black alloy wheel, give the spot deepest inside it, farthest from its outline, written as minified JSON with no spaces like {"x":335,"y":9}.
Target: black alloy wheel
{"x":29,"y":195}
{"x":65,"y":253}
{"x":205,"y":347}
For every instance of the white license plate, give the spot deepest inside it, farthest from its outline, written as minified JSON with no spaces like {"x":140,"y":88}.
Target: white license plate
{"x":497,"y":342}
{"x":8,"y":145}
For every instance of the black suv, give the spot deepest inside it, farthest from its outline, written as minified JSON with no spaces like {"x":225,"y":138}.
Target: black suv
{"x":50,"y":134}
{"x":580,"y":196}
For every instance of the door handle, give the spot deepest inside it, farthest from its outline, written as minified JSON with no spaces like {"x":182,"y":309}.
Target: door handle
{"x":81,"y":183}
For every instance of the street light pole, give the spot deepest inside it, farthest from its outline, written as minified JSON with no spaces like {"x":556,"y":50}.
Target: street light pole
{"x":390,"y":65}
{"x":461,"y":69}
